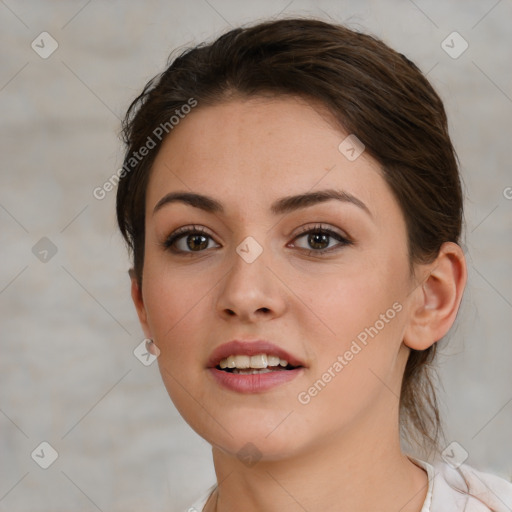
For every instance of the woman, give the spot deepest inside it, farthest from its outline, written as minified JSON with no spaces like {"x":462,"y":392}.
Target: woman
{"x":293,"y":203}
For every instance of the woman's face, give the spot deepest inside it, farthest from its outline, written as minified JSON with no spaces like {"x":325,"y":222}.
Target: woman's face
{"x":339,"y":307}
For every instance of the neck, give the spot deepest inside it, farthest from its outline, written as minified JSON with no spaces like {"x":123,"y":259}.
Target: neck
{"x":361,"y":470}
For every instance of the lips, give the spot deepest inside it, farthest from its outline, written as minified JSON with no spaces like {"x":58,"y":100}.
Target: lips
{"x":251,"y":348}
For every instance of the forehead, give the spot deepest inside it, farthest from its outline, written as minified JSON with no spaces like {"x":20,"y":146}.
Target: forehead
{"x":253,"y":151}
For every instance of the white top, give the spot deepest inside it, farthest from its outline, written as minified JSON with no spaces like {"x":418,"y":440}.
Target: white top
{"x":450,"y":489}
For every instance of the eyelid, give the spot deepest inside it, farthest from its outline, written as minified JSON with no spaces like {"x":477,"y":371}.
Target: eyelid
{"x":319,"y":226}
{"x":182,"y":232}
{"x":342,"y":238}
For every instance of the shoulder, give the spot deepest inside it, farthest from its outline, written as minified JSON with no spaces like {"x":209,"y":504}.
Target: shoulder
{"x":199,"y":504}
{"x":450,"y":489}
{"x":465,"y":488}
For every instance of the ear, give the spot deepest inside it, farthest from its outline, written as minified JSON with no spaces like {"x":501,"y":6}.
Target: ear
{"x":138,"y":301}
{"x":435,"y":302}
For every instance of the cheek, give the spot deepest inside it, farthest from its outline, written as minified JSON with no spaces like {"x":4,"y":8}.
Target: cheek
{"x":345,"y":304}
{"x":176,"y":317}
{"x":356,"y":367}
{"x":174,"y":303}
{"x":360,"y":331}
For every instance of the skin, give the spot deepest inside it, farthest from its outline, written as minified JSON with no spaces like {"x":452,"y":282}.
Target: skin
{"x":341,"y":451}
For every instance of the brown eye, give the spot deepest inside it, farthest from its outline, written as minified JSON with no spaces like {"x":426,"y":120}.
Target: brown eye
{"x":188,"y":240}
{"x":196,"y":242}
{"x":319,"y":240}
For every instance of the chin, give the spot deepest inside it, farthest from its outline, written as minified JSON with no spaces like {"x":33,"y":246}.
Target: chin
{"x":251,"y":450}
{"x":256,"y":439}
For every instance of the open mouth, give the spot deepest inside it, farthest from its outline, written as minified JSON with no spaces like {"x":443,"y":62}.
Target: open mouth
{"x":254,"y":371}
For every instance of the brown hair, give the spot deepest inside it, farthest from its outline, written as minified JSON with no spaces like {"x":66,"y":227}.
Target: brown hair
{"x":371,"y":90}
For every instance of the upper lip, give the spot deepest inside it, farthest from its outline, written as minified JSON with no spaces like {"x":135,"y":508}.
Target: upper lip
{"x":250,"y":348}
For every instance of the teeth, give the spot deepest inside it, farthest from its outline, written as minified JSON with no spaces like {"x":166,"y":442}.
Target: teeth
{"x":253,"y":372}
{"x":230,"y":362}
{"x":273,"y":361}
{"x":260,"y":361}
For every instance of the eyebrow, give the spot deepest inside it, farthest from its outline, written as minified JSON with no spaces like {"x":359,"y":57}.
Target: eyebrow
{"x":284,"y":205}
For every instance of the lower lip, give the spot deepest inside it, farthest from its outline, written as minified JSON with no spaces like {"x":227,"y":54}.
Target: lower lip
{"x":254,"y":383}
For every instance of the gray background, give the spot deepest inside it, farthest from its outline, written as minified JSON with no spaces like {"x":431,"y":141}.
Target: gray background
{"x":68,"y":327}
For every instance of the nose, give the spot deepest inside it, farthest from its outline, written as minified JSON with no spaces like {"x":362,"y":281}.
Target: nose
{"x":251,"y":292}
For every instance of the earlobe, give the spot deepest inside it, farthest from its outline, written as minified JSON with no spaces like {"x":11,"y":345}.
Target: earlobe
{"x":138,"y":301}
{"x":435,"y":303}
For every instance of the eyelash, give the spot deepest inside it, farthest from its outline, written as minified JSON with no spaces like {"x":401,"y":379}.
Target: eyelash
{"x":321,"y":230}
{"x":180,"y":233}
{"x":318,"y":229}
